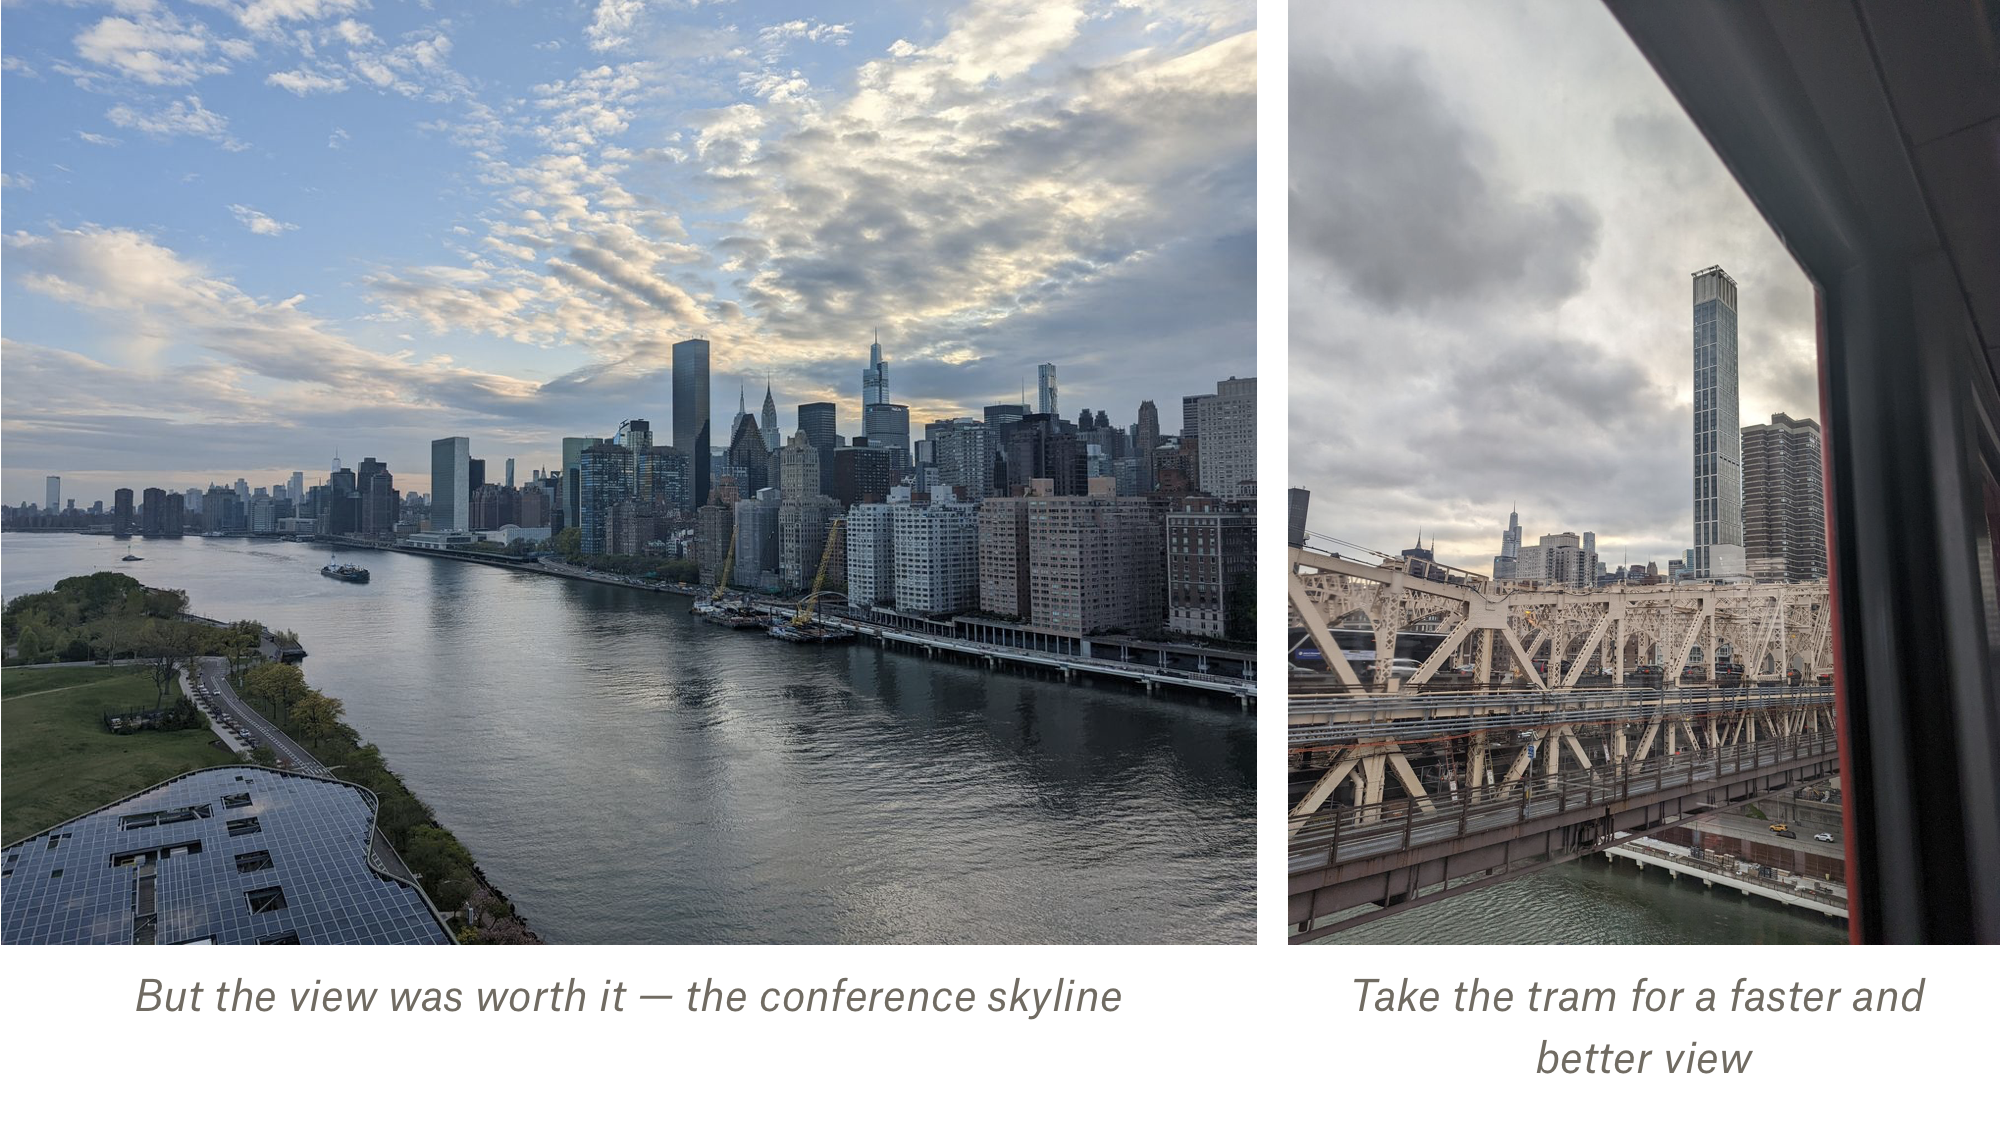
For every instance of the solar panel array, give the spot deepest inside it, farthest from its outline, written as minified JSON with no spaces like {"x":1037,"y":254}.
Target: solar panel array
{"x":122,"y":876}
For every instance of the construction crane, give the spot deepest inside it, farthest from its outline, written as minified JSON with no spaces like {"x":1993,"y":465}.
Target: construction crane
{"x":724,"y":571}
{"x":807,"y":606}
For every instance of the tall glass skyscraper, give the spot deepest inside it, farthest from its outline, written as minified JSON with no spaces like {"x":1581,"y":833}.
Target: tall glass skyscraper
{"x":449,"y":477}
{"x":691,"y":423}
{"x":1719,"y":541}
{"x":1047,"y":388}
{"x":876,"y":378}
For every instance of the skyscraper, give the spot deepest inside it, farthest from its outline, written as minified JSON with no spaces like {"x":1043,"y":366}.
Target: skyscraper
{"x":449,"y":493}
{"x":121,"y":512}
{"x":1784,"y":499}
{"x":1226,"y":461}
{"x":876,"y":377}
{"x":817,"y":420}
{"x":768,"y":420}
{"x":511,"y":472}
{"x":1720,"y":537}
{"x":1505,"y":566}
{"x":1047,"y":388}
{"x":297,"y":489}
{"x":55,"y":496}
{"x":1147,"y":435}
{"x":691,"y":423}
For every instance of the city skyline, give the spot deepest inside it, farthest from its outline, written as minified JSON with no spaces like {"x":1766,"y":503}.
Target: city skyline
{"x":243,"y":230}
{"x":1491,"y":298}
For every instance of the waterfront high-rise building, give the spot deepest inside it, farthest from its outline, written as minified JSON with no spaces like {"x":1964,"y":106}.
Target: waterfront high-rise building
{"x":768,"y":420}
{"x":803,"y":537}
{"x":1004,"y":544}
{"x":876,"y":378}
{"x":121,"y":512}
{"x":567,"y":499}
{"x":714,"y":526}
{"x":510,"y":481}
{"x":691,"y":421}
{"x":936,"y":557}
{"x":54,"y":487}
{"x":757,"y":563}
{"x":1096,"y":563}
{"x":1047,"y":388}
{"x":379,"y":500}
{"x":963,"y":450}
{"x":1297,"y":517}
{"x":1783,"y":475}
{"x":297,"y":488}
{"x":449,"y":492}
{"x":870,"y":549}
{"x":1210,"y":567}
{"x":1227,"y":462}
{"x":605,"y":478}
{"x":1720,"y":537}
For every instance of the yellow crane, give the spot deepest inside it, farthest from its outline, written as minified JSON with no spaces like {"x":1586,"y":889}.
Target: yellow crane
{"x":806,"y":612}
{"x":730,"y":559}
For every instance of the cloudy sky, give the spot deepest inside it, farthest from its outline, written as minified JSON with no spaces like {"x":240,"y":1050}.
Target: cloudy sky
{"x":1495,"y":211}
{"x":240,"y":233}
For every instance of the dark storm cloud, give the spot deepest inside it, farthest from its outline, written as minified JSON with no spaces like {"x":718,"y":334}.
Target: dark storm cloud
{"x":1388,"y":187}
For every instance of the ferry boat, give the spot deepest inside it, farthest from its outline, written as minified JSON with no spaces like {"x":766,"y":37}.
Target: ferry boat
{"x":132,"y":558}
{"x":344,"y":573}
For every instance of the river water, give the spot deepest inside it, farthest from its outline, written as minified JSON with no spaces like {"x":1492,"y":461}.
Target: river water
{"x":627,"y":774}
{"x":1594,"y":901}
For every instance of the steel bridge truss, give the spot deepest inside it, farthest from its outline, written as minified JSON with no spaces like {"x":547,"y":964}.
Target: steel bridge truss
{"x":1497,"y":729}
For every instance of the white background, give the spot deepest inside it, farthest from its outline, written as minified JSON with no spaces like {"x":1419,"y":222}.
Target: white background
{"x":1270,"y":1031}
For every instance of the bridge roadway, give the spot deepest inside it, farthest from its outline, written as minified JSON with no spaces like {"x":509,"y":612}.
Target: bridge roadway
{"x":1317,"y":721}
{"x":1398,"y":854}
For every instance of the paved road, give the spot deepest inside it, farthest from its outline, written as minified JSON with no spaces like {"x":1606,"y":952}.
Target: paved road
{"x":222,"y":698}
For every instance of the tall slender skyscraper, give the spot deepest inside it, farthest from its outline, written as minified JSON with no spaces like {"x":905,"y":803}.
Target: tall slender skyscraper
{"x":1504,"y":568}
{"x":768,"y":420}
{"x":55,"y":497}
{"x":449,"y":476}
{"x":877,"y":377}
{"x":1719,"y":541}
{"x":691,"y":423}
{"x":1047,"y":388}
{"x":1147,"y":436}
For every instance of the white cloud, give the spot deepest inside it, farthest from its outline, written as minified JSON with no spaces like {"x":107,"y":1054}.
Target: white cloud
{"x":257,"y":222}
{"x":17,"y":182}
{"x":182,"y":117}
{"x":337,"y":138}
{"x":613,"y":23}
{"x":302,"y":82}
{"x":98,"y":138}
{"x":156,"y":48}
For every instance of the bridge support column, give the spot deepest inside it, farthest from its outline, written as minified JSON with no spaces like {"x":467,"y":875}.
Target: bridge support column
{"x":1374,"y":786}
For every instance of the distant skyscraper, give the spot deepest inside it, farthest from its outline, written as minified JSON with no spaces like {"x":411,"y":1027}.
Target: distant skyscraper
{"x":297,"y":489}
{"x":1047,"y":388}
{"x":876,"y":378}
{"x":121,"y":512}
{"x":449,"y":494}
{"x":1720,"y":540}
{"x":768,"y":420}
{"x":1147,"y":435}
{"x":691,"y":423}
{"x":511,"y":472}
{"x":888,"y":426}
{"x":1784,"y":499}
{"x":817,"y":420}
{"x":1297,"y":517}
{"x":1505,"y":565}
{"x":55,"y":498}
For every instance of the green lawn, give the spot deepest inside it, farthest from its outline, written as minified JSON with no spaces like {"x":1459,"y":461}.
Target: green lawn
{"x":56,"y":758}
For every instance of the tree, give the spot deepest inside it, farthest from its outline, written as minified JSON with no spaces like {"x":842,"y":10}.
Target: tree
{"x":316,"y":716}
{"x":278,"y":685}
{"x":167,"y":644}
{"x":29,"y":645}
{"x":442,"y":863}
{"x":568,"y":542}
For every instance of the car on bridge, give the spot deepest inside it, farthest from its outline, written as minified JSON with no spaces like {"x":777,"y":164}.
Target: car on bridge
{"x":1825,"y":837}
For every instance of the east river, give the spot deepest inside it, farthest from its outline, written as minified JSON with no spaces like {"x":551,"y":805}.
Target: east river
{"x":628,"y":774}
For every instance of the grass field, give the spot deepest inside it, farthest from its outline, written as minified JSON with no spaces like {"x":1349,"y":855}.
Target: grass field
{"x":56,"y":758}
